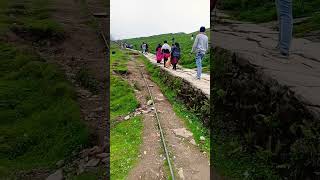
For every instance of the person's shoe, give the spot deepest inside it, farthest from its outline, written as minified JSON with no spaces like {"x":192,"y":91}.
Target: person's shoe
{"x":281,"y":55}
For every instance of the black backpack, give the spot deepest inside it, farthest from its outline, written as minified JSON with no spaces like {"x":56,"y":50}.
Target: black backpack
{"x":176,"y":52}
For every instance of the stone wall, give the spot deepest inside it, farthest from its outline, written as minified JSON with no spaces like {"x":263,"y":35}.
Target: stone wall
{"x":266,"y":117}
{"x":194,"y":99}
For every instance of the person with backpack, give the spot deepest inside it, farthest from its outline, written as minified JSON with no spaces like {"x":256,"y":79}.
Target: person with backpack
{"x":200,"y":47}
{"x":159,"y":55}
{"x":175,"y":55}
{"x":165,"y":49}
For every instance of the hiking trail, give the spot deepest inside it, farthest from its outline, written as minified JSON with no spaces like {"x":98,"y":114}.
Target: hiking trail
{"x":187,"y":160}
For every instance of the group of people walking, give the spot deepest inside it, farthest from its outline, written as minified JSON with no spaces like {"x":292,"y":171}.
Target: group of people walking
{"x":171,"y":55}
{"x":165,"y":52}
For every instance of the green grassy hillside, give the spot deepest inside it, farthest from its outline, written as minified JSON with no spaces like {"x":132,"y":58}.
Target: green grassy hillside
{"x":124,"y":143}
{"x":39,"y":116}
{"x":265,"y":10}
{"x":187,"y":60}
{"x":40,"y":121}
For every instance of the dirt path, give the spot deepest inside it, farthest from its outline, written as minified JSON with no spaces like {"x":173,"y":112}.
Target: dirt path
{"x":188,"y":161}
{"x":150,"y":165}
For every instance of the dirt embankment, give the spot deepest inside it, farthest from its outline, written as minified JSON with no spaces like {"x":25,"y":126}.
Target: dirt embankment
{"x":193,"y":98}
{"x":265,"y":115}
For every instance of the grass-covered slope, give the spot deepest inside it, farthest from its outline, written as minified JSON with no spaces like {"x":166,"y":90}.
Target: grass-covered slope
{"x":125,"y":136}
{"x":187,"y":60}
{"x":265,"y":10}
{"x":40,"y":120}
{"x":39,"y":117}
{"x":29,"y":19}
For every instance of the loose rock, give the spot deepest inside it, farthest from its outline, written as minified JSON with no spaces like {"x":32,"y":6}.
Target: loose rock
{"x":127,"y":117}
{"x":192,"y":141}
{"x":93,"y":163}
{"x":60,"y":163}
{"x":149,"y":102}
{"x":94,"y":150}
{"x":102,"y":155}
{"x":181,"y":174}
{"x":202,"y":138}
{"x":182,"y":132}
{"x":58,"y":175}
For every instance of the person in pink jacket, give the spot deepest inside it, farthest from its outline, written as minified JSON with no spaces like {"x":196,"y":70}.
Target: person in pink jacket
{"x":159,"y":54}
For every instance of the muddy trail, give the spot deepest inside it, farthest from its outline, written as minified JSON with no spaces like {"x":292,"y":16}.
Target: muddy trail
{"x":82,"y":56}
{"x":187,"y":160}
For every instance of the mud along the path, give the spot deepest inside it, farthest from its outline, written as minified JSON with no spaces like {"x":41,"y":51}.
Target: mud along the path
{"x":83,"y":51}
{"x":188,"y":161}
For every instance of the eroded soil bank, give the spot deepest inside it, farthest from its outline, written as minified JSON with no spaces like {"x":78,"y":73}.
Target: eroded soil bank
{"x":267,"y":118}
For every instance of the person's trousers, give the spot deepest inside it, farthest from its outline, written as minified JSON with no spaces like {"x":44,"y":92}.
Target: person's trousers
{"x":174,"y":66}
{"x":285,"y":19}
{"x":199,"y":57}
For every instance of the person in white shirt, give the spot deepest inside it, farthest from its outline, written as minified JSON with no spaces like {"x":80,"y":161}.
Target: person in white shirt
{"x":143,"y":48}
{"x":200,"y":47}
{"x":166,"y":49}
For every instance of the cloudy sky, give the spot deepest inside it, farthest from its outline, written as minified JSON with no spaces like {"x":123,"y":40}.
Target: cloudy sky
{"x":137,"y":18}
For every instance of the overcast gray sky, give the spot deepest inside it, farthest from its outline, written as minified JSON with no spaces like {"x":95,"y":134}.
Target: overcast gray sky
{"x":137,"y":18}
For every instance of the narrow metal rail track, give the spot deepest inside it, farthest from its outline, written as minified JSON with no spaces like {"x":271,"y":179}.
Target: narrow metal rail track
{"x":101,"y":34}
{"x":159,"y":125}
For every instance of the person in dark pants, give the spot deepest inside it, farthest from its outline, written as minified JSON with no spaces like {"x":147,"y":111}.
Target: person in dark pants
{"x":166,"y":49}
{"x":175,"y":55}
{"x":284,"y":11}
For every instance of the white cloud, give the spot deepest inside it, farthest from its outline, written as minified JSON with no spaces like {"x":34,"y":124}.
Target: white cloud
{"x":135,"y":18}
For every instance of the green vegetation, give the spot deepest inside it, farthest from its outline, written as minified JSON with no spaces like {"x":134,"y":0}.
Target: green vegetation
{"x":125,"y":141}
{"x":192,"y":121}
{"x":29,"y":19}
{"x":39,"y":116}
{"x":307,"y":26}
{"x":265,"y":10}
{"x":86,"y":80}
{"x":122,"y":100}
{"x":125,"y":136}
{"x":187,"y":60}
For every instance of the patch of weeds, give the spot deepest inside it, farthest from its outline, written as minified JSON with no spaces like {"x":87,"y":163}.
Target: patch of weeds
{"x":126,"y":138}
{"x":86,"y":80}
{"x":307,"y":26}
